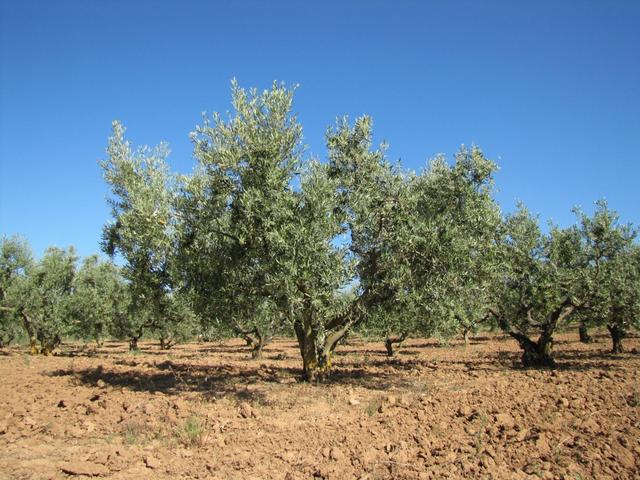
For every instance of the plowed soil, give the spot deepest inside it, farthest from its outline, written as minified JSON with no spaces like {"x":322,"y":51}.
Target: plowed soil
{"x":209,"y":411}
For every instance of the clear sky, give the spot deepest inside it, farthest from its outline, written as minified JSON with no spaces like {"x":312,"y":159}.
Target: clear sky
{"x":549,"y":89}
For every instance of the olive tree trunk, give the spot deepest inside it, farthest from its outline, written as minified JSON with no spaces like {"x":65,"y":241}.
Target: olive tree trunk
{"x":390,"y":341}
{"x":536,"y":353}
{"x":617,"y":334}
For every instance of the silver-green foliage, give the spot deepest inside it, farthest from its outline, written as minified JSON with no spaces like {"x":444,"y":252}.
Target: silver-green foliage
{"x":15,"y":262}
{"x":100,"y":299}
{"x":142,"y":231}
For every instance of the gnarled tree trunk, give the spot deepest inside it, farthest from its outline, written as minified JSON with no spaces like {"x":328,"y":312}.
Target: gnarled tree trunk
{"x":617,"y":334}
{"x":31,"y":333}
{"x":317,"y":350}
{"x":389,"y":341}
{"x":536,"y":353}
{"x":256,"y":339}
{"x":316,"y":363}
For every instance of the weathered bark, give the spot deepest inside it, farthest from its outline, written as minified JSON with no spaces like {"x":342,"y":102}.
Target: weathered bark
{"x":314,"y":367}
{"x":536,"y":354}
{"x":260,"y":342}
{"x":31,"y":333}
{"x":617,"y":334}
{"x":317,"y":354}
{"x":584,"y":333}
{"x":256,"y":340}
{"x":389,"y":341}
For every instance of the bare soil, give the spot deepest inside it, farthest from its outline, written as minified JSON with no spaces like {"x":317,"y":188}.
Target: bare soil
{"x":209,"y":411}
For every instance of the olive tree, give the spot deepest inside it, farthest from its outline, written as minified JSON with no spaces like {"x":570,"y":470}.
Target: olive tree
{"x":43,"y":298}
{"x":457,"y":220}
{"x":235,"y":213}
{"x":439,"y":240}
{"x":99,"y":299}
{"x":376,"y":205}
{"x":537,"y":284}
{"x":142,"y":230}
{"x":15,"y":262}
{"x":546,"y":279}
{"x":613,"y":273}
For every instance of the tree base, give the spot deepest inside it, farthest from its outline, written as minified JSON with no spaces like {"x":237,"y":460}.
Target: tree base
{"x":617,"y":334}
{"x":535,"y":359}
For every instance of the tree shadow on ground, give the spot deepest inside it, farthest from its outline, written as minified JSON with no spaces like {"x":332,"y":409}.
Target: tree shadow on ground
{"x":243,"y":382}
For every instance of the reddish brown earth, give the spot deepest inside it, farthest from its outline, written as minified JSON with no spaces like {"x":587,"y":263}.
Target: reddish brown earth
{"x":208,"y":411}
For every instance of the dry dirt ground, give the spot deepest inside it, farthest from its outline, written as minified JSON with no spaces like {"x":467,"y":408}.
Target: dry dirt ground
{"x":208,"y":411}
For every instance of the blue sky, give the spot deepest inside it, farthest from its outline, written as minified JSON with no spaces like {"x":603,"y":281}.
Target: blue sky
{"x":549,"y":89}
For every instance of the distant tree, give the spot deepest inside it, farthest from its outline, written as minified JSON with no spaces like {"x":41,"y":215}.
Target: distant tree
{"x":376,"y":205}
{"x":537,"y":286}
{"x":613,"y":273}
{"x":178,"y":322}
{"x":458,"y":223}
{"x":142,"y":230}
{"x":620,"y":302}
{"x":439,"y":240}
{"x":575,"y":272}
{"x":15,"y":262}
{"x":99,"y":299}
{"x":43,"y":298}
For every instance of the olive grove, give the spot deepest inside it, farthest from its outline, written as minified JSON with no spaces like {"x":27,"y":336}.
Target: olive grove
{"x":261,"y":240}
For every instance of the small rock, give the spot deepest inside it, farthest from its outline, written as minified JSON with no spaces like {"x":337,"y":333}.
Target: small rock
{"x":62,"y":404}
{"x":564,"y":402}
{"x":91,"y":410}
{"x":505,"y":420}
{"x":464,"y":411}
{"x":336,"y":454}
{"x":522,"y":435}
{"x":100,"y":383}
{"x":152,"y":462}
{"x":3,"y":428}
{"x":591,"y":425}
{"x":84,"y":468}
{"x":391,"y":399}
{"x":102,"y":457}
{"x":246,"y":411}
{"x":487,"y":462}
{"x":354,"y":401}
